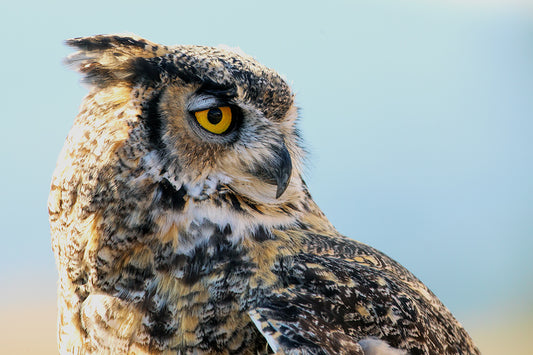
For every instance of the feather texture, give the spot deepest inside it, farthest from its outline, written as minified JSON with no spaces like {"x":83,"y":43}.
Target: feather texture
{"x":173,"y":239}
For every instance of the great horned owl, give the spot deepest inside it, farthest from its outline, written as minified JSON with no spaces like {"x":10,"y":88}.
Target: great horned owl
{"x":181,"y":223}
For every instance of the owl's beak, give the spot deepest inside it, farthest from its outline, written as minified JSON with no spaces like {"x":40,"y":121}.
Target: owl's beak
{"x":276,"y":171}
{"x":283,"y":171}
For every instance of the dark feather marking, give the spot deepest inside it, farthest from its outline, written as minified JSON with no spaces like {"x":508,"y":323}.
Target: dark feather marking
{"x":146,"y":70}
{"x":163,"y":257}
{"x":89,"y":43}
{"x":291,"y":206}
{"x":98,"y":43}
{"x":261,"y":234}
{"x":170,"y":198}
{"x":153,"y":122}
{"x":129,"y":42}
{"x":133,"y":278}
{"x":235,"y":202}
{"x":219,"y":255}
{"x":160,"y":329}
{"x":302,"y":226}
{"x":227,"y":230}
{"x":252,"y":205}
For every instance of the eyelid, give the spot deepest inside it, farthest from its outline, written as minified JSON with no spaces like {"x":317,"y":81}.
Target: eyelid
{"x":205,"y":102}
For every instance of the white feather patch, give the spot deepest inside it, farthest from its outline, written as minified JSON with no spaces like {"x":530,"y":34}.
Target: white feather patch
{"x":374,"y":346}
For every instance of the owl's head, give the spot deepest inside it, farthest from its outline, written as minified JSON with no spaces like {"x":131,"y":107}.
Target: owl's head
{"x":210,"y":116}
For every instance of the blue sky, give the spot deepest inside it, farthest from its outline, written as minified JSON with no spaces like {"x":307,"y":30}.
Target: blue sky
{"x":417,"y":116}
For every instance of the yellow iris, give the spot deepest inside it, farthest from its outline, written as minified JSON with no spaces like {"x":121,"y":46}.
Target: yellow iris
{"x":215,"y":120}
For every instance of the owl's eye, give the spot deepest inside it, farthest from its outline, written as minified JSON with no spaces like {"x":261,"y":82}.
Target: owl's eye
{"x":216,"y":120}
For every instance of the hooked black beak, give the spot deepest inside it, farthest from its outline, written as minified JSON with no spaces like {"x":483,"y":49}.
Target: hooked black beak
{"x":276,"y":171}
{"x":283,"y":171}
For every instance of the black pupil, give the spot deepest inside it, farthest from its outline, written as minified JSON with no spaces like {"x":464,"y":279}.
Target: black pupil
{"x":214,"y":115}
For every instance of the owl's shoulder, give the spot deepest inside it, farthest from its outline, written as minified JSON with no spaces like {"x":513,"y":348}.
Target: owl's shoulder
{"x":338,"y":293}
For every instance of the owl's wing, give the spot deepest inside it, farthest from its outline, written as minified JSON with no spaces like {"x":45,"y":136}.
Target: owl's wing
{"x":341,"y":296}
{"x":284,"y":334}
{"x":316,"y":311}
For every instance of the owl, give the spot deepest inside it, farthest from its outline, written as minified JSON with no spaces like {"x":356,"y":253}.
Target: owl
{"x":181,"y":223}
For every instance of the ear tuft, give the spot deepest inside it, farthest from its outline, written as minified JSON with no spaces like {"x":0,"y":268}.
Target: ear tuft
{"x":111,"y":59}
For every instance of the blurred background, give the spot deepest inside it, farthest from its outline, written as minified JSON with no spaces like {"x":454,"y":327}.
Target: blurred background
{"x":418,"y":116}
